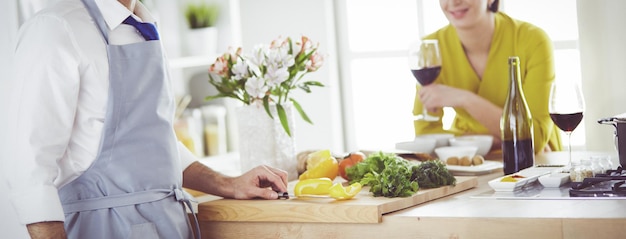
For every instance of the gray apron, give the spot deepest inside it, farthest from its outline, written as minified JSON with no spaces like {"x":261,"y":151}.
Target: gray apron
{"x":133,"y":188}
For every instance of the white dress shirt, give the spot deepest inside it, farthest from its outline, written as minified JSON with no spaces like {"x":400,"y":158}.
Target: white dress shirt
{"x":60,"y":101}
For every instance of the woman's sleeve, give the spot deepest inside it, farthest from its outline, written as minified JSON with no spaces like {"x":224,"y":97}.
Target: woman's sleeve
{"x":537,"y":76}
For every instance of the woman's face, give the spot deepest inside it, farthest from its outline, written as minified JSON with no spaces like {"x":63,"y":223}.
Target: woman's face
{"x":465,"y":13}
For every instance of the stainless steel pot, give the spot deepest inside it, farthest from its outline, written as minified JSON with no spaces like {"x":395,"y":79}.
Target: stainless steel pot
{"x":619,"y":122}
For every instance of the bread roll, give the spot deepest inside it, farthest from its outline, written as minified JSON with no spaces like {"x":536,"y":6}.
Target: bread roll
{"x":465,"y":161}
{"x":478,"y":160}
{"x":452,"y":161}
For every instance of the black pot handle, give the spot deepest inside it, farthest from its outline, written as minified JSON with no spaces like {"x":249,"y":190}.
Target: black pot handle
{"x":609,"y":120}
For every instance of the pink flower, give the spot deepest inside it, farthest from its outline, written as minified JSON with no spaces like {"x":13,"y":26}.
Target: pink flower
{"x":315,"y":62}
{"x":306,"y":45}
{"x":279,"y":42}
{"x":220,"y":67}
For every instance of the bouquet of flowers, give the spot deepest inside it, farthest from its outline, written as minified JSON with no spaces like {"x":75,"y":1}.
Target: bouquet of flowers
{"x":268,"y":75}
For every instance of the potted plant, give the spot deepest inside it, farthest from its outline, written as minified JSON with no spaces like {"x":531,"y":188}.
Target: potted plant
{"x":264,"y":80}
{"x":267,"y":75}
{"x":202,"y":35}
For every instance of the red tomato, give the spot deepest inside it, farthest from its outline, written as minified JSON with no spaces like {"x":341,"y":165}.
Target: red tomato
{"x":349,"y":161}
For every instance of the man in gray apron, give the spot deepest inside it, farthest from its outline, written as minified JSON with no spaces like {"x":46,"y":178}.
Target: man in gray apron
{"x":133,"y":189}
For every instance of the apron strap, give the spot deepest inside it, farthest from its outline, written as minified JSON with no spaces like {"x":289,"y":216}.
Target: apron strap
{"x":117,"y":200}
{"x":132,"y":199}
{"x":96,"y":16}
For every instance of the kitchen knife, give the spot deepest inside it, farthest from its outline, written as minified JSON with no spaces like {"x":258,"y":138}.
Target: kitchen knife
{"x":286,"y":195}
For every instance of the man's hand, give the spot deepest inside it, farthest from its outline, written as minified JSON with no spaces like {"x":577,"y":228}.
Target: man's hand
{"x":48,"y":230}
{"x":260,"y":182}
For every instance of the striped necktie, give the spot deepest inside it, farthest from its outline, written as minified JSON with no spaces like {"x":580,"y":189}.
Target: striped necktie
{"x":147,"y":30}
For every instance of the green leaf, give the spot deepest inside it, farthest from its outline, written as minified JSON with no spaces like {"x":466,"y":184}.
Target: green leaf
{"x":432,"y":174}
{"x":313,"y":83}
{"x":387,"y":175}
{"x":304,"y":116}
{"x":266,"y":105}
{"x":213,"y":97}
{"x":282,"y":115}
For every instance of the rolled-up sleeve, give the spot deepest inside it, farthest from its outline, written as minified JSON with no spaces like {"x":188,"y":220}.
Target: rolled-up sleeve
{"x":41,"y":117}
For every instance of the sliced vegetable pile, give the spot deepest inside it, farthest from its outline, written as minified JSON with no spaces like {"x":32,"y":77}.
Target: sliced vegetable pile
{"x":320,"y":164}
{"x":321,"y":170}
{"x":432,"y":174}
{"x":389,"y":175}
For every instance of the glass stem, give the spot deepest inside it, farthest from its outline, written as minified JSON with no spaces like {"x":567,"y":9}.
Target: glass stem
{"x":569,"y":147}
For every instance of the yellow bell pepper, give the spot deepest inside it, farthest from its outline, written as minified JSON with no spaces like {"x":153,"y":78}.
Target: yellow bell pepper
{"x":313,"y":186}
{"x":342,"y":193}
{"x":320,"y":164}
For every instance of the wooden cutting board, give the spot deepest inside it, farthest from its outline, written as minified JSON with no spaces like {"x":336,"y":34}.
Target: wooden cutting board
{"x":364,"y":208}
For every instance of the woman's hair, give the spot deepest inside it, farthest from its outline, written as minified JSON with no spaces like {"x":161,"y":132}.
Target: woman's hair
{"x":494,"y":6}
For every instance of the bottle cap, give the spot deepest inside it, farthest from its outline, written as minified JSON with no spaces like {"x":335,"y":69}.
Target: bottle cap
{"x":513,"y":59}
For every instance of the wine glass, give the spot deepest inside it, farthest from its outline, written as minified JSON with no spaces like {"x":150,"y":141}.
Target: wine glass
{"x":425,"y":64}
{"x":566,"y":109}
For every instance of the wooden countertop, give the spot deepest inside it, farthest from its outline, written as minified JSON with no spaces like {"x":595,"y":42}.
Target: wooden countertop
{"x":460,"y":216}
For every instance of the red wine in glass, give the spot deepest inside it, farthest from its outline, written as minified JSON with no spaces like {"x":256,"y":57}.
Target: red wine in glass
{"x":566,"y":108}
{"x":427,"y":75}
{"x":567,"y":122}
{"x":425,"y":64}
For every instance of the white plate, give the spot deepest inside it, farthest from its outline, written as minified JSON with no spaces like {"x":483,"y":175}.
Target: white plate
{"x":487,"y":167}
{"x":554,"y":180}
{"x":530,"y":175}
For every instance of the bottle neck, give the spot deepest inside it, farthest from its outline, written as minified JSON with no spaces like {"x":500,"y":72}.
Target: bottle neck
{"x":515,"y":84}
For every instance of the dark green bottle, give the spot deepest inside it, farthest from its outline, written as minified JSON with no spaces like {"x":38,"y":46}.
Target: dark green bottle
{"x":516,"y":125}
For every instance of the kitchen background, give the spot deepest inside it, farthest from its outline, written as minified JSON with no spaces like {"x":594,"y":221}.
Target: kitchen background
{"x":367,"y":101}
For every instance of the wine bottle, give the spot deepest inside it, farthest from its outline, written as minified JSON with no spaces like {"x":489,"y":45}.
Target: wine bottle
{"x":516,"y":125}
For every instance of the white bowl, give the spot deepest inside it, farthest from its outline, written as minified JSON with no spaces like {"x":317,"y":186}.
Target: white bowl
{"x":442,"y":139}
{"x":482,"y":142}
{"x":444,"y":153}
{"x":418,"y":145}
{"x":554,"y":180}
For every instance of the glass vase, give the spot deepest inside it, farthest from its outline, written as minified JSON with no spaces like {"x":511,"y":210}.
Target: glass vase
{"x":263,"y":141}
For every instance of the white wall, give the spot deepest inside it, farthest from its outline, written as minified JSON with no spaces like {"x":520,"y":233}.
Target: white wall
{"x":603,"y":62}
{"x":263,"y":21}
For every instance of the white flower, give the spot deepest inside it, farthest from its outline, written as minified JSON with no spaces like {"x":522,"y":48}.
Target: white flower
{"x":296,"y":48}
{"x":258,"y":55}
{"x":276,"y":75}
{"x":256,"y":87}
{"x":240,"y":70}
{"x":280,"y":57}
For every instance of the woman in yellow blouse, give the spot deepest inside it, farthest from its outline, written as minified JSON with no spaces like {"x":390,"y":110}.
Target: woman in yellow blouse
{"x":474,"y":77}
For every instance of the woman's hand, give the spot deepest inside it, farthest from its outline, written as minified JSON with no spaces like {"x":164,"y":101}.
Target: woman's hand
{"x":436,"y":96}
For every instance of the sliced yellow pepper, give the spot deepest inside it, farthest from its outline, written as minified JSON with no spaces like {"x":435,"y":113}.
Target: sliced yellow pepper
{"x":320,"y":164}
{"x":339,"y":192}
{"x":313,"y":186}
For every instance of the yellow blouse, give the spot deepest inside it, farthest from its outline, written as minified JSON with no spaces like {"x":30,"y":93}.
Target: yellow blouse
{"x":511,"y":38}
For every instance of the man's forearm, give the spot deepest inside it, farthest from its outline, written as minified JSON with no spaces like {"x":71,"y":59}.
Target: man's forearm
{"x":202,"y":178}
{"x":48,"y":230}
